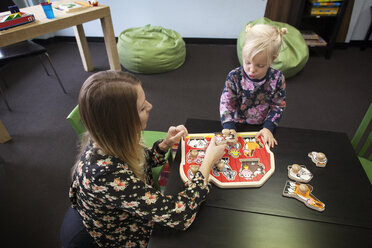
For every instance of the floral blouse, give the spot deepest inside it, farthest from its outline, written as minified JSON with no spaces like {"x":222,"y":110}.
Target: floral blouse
{"x":250,"y":101}
{"x":118,"y":209}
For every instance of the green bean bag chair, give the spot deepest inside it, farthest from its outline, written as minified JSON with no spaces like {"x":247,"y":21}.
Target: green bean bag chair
{"x":151,"y":49}
{"x":293,"y":54}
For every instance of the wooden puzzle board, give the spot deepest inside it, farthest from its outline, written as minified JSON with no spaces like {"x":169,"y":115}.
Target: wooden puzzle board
{"x":249,"y":163}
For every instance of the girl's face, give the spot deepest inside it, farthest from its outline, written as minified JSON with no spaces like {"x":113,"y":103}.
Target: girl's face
{"x":143,"y":107}
{"x":257,"y":68}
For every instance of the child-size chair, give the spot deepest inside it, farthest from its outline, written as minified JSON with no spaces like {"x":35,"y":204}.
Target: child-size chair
{"x":362,"y":142}
{"x":149,"y":138}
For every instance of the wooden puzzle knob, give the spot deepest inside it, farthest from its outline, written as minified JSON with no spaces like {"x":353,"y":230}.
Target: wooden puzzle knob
{"x":225,"y":132}
{"x":320,"y":156}
{"x":296,"y":168}
{"x":194,"y":154}
{"x":303,"y":188}
{"x":194,"y":168}
{"x":220,"y":165}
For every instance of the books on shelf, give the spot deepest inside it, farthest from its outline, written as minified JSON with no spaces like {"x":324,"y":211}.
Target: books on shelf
{"x":309,"y":35}
{"x":318,"y":42}
{"x":324,"y":7}
{"x":312,"y":39}
{"x":323,"y":1}
{"x":327,"y":4}
{"x":323,"y":11}
{"x":71,"y":6}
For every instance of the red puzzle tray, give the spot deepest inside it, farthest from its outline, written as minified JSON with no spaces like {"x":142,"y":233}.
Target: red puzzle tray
{"x":23,"y":19}
{"x":248,"y":163}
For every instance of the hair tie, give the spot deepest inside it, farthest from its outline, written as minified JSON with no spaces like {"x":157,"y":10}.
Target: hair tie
{"x":248,"y":27}
{"x":283,"y":31}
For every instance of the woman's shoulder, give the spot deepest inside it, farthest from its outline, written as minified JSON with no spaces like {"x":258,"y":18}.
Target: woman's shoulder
{"x":98,"y":163}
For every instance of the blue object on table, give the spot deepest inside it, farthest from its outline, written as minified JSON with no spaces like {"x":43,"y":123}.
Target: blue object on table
{"x":13,"y":9}
{"x":48,"y":10}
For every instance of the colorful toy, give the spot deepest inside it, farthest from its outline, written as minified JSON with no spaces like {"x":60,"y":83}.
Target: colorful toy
{"x":93,"y":3}
{"x":247,"y":163}
{"x":302,"y":192}
{"x":15,"y":19}
{"x":318,"y":158}
{"x":299,"y":173}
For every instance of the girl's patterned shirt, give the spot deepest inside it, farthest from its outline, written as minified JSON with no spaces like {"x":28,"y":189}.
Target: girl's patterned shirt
{"x":245,"y":100}
{"x":118,"y":209}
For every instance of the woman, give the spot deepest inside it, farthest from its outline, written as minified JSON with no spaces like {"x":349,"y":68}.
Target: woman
{"x":111,"y":188}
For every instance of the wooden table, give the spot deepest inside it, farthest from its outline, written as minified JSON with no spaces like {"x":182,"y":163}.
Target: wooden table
{"x":62,"y":20}
{"x":262,"y":217}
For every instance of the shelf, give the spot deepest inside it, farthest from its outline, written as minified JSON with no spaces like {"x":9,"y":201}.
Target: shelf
{"x":319,"y":16}
{"x":326,"y":26}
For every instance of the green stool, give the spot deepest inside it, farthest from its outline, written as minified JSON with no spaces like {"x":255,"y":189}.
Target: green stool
{"x":75,"y":121}
{"x":357,"y":141}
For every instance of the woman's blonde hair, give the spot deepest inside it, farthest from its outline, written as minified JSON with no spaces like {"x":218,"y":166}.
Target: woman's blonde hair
{"x":263,"y":37}
{"x":108,"y":110}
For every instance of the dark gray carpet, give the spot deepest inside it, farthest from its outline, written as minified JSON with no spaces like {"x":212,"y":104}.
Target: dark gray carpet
{"x":327,"y":95}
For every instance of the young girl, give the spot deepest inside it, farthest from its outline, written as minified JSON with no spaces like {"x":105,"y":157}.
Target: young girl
{"x":111,"y":188}
{"x":255,"y":93}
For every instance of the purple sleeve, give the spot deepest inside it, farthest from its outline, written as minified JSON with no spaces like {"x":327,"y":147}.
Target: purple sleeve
{"x":228,"y":102}
{"x":277,"y":106}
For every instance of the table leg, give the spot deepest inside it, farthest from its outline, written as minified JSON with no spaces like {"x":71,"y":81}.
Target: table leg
{"x":82,"y":43}
{"x":110,"y":42}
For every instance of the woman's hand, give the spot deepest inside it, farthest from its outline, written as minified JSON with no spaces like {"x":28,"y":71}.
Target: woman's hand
{"x":267,"y":137}
{"x":212,"y":155}
{"x":173,"y":136}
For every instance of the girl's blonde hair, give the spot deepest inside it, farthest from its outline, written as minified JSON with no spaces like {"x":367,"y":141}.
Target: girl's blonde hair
{"x":108,"y":110}
{"x":263,"y":37}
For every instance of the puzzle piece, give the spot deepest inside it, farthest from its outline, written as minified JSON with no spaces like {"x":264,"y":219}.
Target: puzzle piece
{"x":299,"y":173}
{"x":193,"y":169}
{"x":250,"y":145}
{"x":318,"y":158}
{"x":302,"y":192}
{"x":227,"y":136}
{"x":195,"y":156}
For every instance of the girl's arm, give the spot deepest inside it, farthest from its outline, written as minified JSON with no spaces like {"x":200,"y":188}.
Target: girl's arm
{"x":277,"y":105}
{"x":228,"y":102}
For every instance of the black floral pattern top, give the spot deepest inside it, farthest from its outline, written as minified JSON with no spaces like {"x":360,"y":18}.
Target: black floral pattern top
{"x":118,"y":209}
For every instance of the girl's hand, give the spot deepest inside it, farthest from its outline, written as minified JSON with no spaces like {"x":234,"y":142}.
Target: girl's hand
{"x":235,"y":140}
{"x":267,"y":137}
{"x":173,"y":136}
